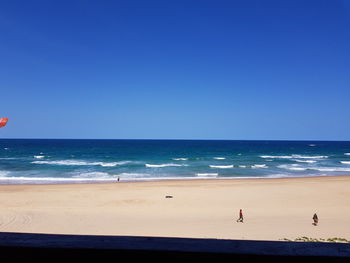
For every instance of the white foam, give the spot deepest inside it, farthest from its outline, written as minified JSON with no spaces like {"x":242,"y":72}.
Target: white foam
{"x":255,"y":166}
{"x":345,"y":162}
{"x":242,"y":166}
{"x":55,"y":180}
{"x":296,"y":167}
{"x":39,"y":156}
{"x":312,"y":157}
{"x":221,"y":166}
{"x":219,"y":158}
{"x":163,"y":165}
{"x":4,"y":173}
{"x":292,"y":167}
{"x":207,"y":174}
{"x":95,"y":175}
{"x":305,"y":161}
{"x":346,"y":153}
{"x":109,"y":164}
{"x":77,"y":162}
{"x":275,"y":176}
{"x":294,"y":156}
{"x":134,"y":175}
{"x":332,"y":169}
{"x":180,"y":159}
{"x":276,"y":156}
{"x":62,"y":162}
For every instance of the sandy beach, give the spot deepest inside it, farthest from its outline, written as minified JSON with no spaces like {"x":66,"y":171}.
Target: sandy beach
{"x":273,"y":209}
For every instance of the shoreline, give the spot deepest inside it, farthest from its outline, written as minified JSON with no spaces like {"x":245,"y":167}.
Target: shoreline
{"x":276,"y":209}
{"x":154,"y":180}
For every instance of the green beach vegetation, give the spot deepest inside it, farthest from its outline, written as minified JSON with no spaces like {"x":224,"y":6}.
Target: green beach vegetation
{"x":310,"y":239}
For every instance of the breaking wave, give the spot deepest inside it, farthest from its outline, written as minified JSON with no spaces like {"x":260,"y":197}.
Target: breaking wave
{"x":296,"y":167}
{"x":221,"y":166}
{"x":292,"y":167}
{"x":332,"y":169}
{"x":305,"y":161}
{"x":164,"y":165}
{"x":207,"y":174}
{"x":255,"y":166}
{"x":294,"y":156}
{"x":76,"y":162}
{"x":100,"y":175}
{"x":4,"y":173}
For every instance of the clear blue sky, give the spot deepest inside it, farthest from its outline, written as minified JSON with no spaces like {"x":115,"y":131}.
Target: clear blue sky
{"x":175,"y":69}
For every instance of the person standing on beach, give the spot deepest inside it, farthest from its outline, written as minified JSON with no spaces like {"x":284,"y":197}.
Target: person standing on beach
{"x":240,"y":219}
{"x":315,"y":218}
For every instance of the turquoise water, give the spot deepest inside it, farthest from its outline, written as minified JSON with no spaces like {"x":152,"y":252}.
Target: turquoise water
{"x":69,"y":161}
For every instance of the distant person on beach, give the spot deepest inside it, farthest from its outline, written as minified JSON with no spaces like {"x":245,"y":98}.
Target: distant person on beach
{"x":240,"y":218}
{"x":315,"y":218}
{"x":118,"y":178}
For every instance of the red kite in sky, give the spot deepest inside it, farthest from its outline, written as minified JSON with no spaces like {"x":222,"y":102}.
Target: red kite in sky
{"x":3,"y":122}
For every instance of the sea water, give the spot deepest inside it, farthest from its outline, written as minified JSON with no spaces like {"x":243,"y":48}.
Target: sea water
{"x":27,"y":161}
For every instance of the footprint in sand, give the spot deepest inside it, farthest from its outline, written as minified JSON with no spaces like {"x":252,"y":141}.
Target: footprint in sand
{"x":14,"y":221}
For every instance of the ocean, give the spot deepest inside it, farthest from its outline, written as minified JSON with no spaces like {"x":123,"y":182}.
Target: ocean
{"x":43,"y":161}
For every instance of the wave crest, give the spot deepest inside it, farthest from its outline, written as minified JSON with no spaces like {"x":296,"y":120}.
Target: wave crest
{"x":81,"y":163}
{"x":294,"y":156}
{"x":255,"y":166}
{"x":292,"y":167}
{"x":164,"y":165}
{"x":305,"y":161}
{"x":296,"y":167}
{"x":221,"y":166}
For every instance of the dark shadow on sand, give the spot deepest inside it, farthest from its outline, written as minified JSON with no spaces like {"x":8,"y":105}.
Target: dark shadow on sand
{"x":20,"y":247}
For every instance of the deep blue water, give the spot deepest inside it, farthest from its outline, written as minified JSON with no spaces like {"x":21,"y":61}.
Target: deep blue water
{"x":67,"y":161}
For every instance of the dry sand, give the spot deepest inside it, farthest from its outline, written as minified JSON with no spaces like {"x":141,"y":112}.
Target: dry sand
{"x":273,"y":208}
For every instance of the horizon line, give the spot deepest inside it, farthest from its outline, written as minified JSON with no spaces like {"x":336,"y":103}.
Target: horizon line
{"x":149,"y":139}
